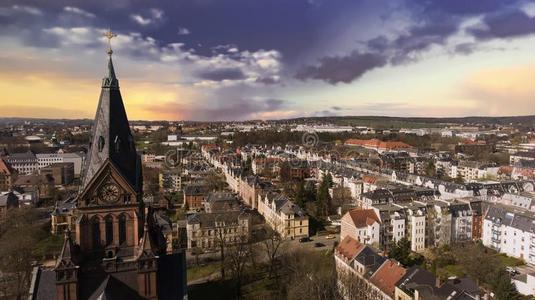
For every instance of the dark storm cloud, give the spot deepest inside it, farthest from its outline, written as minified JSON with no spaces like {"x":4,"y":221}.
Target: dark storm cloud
{"x":229,"y":108}
{"x":436,"y":21}
{"x":506,"y":25}
{"x":335,"y":69}
{"x":222,"y":74}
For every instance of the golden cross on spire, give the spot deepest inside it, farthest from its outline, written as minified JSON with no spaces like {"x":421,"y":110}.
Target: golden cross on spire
{"x":109,"y":35}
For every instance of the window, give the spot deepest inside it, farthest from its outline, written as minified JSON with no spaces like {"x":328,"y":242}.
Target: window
{"x":117,"y":143}
{"x":101,"y":143}
{"x":122,"y":229}
{"x":109,"y":230}
{"x":95,"y":232}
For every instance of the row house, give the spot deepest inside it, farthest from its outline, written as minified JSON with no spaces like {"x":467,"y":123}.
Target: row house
{"x":195,"y":194}
{"x":361,"y":273}
{"x":511,"y":231}
{"x":207,"y":231}
{"x":283,"y":216}
{"x":170,"y":181}
{"x":250,"y":187}
{"x":461,"y":221}
{"x":362,"y":225}
{"x":7,"y":176}
{"x":392,"y":218}
{"x":416,"y":225}
{"x":263,"y":164}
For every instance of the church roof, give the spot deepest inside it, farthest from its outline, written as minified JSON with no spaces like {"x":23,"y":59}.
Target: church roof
{"x":113,"y":289}
{"x":111,"y":138}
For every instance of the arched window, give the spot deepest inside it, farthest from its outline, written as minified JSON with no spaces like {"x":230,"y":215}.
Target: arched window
{"x":95,"y":232}
{"x":117,"y":143}
{"x":101,"y":143}
{"x":122,"y":229}
{"x":109,"y":230}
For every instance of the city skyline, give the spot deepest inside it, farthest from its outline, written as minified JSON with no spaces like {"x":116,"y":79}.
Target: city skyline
{"x":207,"y":60}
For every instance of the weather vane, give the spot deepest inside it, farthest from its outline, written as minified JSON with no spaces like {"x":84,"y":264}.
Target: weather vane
{"x":109,"y":35}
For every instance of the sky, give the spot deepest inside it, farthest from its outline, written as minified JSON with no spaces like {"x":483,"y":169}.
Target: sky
{"x":213,"y":60}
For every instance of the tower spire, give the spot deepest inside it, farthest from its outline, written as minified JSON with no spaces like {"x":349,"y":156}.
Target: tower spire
{"x":110,"y":81}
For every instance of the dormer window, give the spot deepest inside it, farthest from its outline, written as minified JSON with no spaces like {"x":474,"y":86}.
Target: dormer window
{"x":117,"y":143}
{"x":101,"y":143}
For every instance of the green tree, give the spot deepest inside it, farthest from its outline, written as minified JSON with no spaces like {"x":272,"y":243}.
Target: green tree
{"x":503,"y":288}
{"x":323,"y":199}
{"x":401,"y":251}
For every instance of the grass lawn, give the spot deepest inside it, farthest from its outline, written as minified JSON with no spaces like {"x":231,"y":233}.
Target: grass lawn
{"x":197,"y":272}
{"x":452,"y":270}
{"x":509,"y":261}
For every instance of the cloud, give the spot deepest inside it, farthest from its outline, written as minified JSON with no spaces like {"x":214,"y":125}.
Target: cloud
{"x":227,"y":109}
{"x":20,"y":9}
{"x":155,"y":16}
{"x":27,"y":9}
{"x":222,"y":74}
{"x":140,"y":20}
{"x":507,"y":25}
{"x":335,"y":69}
{"x":78,"y":11}
{"x":183,"y":31}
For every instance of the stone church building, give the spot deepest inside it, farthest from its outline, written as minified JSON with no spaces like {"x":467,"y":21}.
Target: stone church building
{"x":117,"y":250}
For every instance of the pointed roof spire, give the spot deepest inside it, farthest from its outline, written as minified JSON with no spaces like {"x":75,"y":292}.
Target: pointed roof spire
{"x":145,"y":245}
{"x":110,"y":81}
{"x":112,"y":139}
{"x":66,"y":257}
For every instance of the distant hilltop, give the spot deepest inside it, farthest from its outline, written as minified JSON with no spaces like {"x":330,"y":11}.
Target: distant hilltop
{"x":370,"y":121}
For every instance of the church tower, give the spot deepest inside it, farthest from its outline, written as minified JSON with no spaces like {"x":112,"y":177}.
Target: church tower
{"x":109,"y":203}
{"x":109,"y":256}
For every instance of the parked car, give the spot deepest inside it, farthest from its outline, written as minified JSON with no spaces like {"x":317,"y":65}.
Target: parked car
{"x":319,"y":245}
{"x":330,"y":237}
{"x":304,"y":240}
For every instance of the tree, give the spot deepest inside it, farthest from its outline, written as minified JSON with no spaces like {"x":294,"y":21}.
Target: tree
{"x":430,"y":169}
{"x":311,"y":275}
{"x":215,"y":181}
{"x":271,"y":245}
{"x":401,"y":251}
{"x":503,"y":288}
{"x":20,"y":234}
{"x":459,"y":179}
{"x":323,"y":203}
{"x":237,"y":256}
{"x":300,"y":195}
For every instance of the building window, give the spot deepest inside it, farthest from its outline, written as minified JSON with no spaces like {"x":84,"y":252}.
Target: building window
{"x":101,"y":143}
{"x":117,"y":143}
{"x":122,"y":229}
{"x":109,"y":230}
{"x":95,"y":232}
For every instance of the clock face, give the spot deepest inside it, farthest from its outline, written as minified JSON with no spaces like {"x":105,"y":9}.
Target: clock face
{"x":109,"y":193}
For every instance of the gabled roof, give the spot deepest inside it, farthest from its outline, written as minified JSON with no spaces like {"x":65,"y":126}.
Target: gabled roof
{"x":113,"y":289}
{"x":363,"y":217}
{"x":5,"y":168}
{"x":387,"y":276}
{"x":349,"y":248}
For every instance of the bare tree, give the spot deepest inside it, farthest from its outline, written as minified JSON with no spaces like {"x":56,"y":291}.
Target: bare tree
{"x":20,"y":233}
{"x":238,"y":254}
{"x":271,"y":245}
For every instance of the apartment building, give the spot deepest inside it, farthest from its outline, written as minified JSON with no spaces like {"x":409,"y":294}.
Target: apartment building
{"x":206,"y":231}
{"x":281,"y":214}
{"x":511,"y":231}
{"x":362,"y":225}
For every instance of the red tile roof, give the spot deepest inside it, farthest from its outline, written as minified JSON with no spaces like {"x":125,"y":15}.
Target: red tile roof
{"x":363,"y":217}
{"x":349,"y":247}
{"x":5,"y":168}
{"x":377,"y":144}
{"x":386,"y":277}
